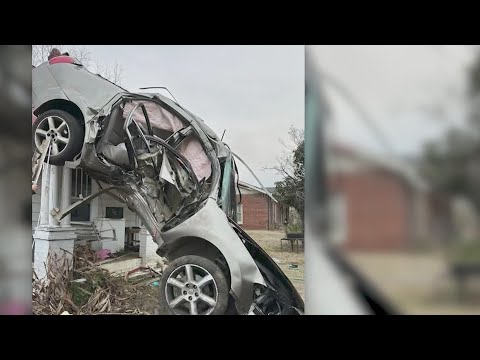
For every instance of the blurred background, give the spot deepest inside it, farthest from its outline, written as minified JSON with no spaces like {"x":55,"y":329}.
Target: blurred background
{"x":402,"y":169}
{"x":15,"y":174}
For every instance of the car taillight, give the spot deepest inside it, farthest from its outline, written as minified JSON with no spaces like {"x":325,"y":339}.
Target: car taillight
{"x":63,"y":60}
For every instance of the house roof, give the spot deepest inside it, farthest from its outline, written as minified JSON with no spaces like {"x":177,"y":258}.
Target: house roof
{"x":271,"y":189}
{"x":255,"y":188}
{"x":392,"y":164}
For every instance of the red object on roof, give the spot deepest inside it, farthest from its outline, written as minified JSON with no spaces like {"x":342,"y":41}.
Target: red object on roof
{"x":62,"y":59}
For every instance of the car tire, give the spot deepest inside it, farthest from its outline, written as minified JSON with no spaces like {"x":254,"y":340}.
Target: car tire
{"x":66,"y":132}
{"x":193,"y":285}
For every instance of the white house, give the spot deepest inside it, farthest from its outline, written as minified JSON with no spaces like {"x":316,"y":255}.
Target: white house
{"x":104,"y":222}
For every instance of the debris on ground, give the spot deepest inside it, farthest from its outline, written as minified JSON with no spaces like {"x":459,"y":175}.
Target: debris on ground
{"x":76,"y":285}
{"x":103,"y":254}
{"x":151,"y":272}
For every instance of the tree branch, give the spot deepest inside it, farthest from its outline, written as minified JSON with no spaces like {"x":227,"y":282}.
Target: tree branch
{"x":280,"y":170}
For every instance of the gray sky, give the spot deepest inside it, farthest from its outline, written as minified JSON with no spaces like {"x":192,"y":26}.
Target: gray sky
{"x":254,"y":92}
{"x":413,"y":92}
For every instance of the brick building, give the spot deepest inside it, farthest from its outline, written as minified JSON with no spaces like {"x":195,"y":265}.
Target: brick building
{"x":376,"y":203}
{"x":258,"y":210}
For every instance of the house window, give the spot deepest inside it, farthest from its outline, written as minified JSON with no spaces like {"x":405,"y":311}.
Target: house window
{"x":81,"y":184}
{"x":81,"y":213}
{"x":240,"y":214}
{"x":338,"y":218}
{"x":81,"y":188}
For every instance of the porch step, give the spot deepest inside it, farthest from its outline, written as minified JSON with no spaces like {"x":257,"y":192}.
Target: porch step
{"x":87,"y":231}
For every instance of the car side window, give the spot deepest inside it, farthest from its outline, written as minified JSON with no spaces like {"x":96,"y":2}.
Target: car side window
{"x":227,"y":192}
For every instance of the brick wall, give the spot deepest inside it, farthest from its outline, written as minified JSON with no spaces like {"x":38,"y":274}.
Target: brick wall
{"x":255,"y":211}
{"x":378,"y":210}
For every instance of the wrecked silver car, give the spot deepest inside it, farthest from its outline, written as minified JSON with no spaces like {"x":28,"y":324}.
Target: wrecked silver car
{"x":170,"y":168}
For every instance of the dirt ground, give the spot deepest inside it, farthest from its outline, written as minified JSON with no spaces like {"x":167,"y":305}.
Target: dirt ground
{"x":417,"y":283}
{"x":270,"y":242}
{"x":145,"y":299}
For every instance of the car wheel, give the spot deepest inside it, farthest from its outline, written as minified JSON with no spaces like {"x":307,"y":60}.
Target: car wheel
{"x":193,"y":285}
{"x":65,"y":131}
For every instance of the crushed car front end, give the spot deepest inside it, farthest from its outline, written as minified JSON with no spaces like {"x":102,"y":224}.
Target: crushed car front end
{"x":178,"y":178}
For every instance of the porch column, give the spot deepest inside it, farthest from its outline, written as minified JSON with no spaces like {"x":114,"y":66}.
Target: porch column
{"x":94,"y":204}
{"x":148,"y":248}
{"x":49,"y":237}
{"x":44,"y":211}
{"x":66,"y":194}
{"x":53,"y":194}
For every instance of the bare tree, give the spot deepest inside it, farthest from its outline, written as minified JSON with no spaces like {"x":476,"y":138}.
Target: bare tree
{"x":99,"y":67}
{"x":114,"y":74}
{"x":117,"y":74}
{"x":40,"y":54}
{"x":82,"y":54}
{"x":286,"y":165}
{"x":296,"y":138}
{"x":290,"y":165}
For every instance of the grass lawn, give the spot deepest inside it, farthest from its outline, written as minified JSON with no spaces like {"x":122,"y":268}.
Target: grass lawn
{"x":270,"y":242}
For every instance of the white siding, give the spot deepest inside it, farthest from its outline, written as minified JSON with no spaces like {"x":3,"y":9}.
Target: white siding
{"x":131,"y":219}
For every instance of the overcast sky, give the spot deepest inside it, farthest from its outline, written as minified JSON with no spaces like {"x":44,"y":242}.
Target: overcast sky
{"x":254,"y":92}
{"x":412,"y":92}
